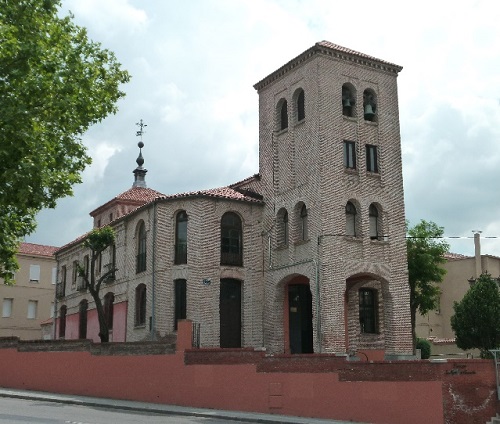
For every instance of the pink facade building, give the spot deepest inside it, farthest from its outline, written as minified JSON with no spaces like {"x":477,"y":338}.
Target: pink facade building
{"x":306,"y":256}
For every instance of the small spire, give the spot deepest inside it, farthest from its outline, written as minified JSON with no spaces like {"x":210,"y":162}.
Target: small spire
{"x":140,"y":172}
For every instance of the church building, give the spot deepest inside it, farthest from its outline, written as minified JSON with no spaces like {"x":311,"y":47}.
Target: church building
{"x":306,"y":256}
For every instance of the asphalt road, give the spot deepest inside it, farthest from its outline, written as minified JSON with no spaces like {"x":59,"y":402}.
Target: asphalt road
{"x":17,"y":411}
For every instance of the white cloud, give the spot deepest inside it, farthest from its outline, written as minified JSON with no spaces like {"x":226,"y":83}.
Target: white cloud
{"x":193,"y":65}
{"x":101,"y":153}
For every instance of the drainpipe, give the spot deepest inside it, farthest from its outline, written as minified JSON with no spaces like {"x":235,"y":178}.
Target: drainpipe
{"x":153,"y":268}
{"x":477,"y":253}
{"x":54,"y":320}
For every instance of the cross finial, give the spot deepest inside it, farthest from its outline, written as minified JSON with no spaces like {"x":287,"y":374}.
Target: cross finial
{"x":141,"y":130}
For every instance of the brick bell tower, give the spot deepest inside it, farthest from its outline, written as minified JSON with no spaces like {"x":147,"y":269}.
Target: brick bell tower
{"x":331,"y":175}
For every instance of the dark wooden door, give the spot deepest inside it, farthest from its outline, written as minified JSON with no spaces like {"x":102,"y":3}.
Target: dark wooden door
{"x":230,"y":313}
{"x":300,"y":318}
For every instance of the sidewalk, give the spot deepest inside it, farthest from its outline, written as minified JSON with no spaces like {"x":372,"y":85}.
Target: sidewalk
{"x":252,"y":417}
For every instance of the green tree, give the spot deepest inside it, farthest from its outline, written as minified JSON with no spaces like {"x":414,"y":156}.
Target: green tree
{"x":426,"y":250}
{"x":54,"y":84}
{"x":98,"y":240}
{"x":476,"y":321}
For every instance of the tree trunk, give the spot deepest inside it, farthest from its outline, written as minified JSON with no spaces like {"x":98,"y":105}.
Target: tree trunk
{"x":103,"y":325}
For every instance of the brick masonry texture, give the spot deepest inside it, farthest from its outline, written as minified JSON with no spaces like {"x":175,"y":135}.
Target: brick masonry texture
{"x":302,"y":165}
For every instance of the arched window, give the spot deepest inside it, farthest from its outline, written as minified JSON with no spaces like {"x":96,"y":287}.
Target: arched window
{"x":303,"y":223}
{"x":140,"y":305}
{"x":62,"y":321}
{"x":283,"y":115}
{"x":109,"y":300}
{"x":368,"y":310}
{"x":282,"y":227}
{"x":370,"y":105}
{"x":231,"y":240}
{"x":141,"y":248}
{"x":348,"y":100}
{"x":82,"y":325}
{"x":373,"y":216}
{"x":181,"y":238}
{"x":350,"y":219}
{"x":180,"y":297}
{"x":300,"y":105}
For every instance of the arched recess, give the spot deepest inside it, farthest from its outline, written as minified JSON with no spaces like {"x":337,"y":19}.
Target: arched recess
{"x":298,"y":315}
{"x":365,"y":313}
{"x":348,"y":100}
{"x":282,"y":115}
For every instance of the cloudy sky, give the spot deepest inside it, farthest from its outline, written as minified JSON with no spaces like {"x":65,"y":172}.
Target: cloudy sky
{"x":193,"y":66}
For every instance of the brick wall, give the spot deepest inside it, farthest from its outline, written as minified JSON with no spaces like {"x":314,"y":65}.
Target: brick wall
{"x":321,"y":386}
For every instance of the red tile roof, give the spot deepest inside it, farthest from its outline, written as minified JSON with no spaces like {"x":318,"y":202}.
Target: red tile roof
{"x":139,"y":194}
{"x":37,"y":249}
{"x":334,"y":50}
{"x":135,"y":196}
{"x":348,"y":51}
{"x":221,"y":193}
{"x":455,"y":256}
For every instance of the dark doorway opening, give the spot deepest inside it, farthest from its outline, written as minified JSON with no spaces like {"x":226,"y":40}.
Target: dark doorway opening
{"x":230,"y":313}
{"x":300,"y":318}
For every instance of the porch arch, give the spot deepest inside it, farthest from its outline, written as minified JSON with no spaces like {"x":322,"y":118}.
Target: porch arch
{"x":367,"y":298}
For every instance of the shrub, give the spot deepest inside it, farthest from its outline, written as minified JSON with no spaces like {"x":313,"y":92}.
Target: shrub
{"x":425,"y":348}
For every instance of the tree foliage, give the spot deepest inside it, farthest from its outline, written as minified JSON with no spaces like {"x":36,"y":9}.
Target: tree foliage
{"x":98,"y":240}
{"x":426,"y":250}
{"x":54,"y":84}
{"x":476,"y":321}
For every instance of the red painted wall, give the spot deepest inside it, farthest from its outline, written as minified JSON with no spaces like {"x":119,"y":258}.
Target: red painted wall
{"x":320,"y":386}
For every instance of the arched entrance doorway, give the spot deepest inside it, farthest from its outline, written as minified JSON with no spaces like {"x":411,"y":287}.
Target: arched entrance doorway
{"x":298,"y":316}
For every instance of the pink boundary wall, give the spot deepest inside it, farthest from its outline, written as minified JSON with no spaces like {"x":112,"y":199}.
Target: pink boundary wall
{"x":232,"y":384}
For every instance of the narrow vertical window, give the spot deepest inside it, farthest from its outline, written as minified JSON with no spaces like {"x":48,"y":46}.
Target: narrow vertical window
{"x":180,"y":297}
{"x":371,"y":158}
{"x":284,"y":115}
{"x":109,"y":300}
{"x":301,"y":110}
{"x":231,"y":240}
{"x":140,"y":305}
{"x":350,"y":154}
{"x":62,"y":321}
{"x":373,"y":217}
{"x":141,"y":248}
{"x":61,"y":285}
{"x":286,"y":231}
{"x":350,"y":219}
{"x":368,"y":310}
{"x":82,"y":325}
{"x":75,"y":274}
{"x":303,"y":223}
{"x":181,"y":238}
{"x":282,"y":228}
